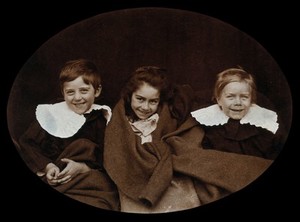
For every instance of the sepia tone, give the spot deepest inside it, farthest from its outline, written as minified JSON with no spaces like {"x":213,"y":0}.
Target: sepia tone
{"x":191,"y":46}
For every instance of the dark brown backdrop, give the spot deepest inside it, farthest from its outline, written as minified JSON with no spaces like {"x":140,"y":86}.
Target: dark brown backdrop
{"x":192,"y":46}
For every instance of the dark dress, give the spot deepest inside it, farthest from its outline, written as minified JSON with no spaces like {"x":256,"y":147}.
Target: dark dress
{"x":258,"y":133}
{"x":241,"y":138}
{"x":38,"y":148}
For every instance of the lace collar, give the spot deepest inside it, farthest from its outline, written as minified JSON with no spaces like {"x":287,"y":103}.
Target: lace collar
{"x":60,"y":121}
{"x":258,"y":116}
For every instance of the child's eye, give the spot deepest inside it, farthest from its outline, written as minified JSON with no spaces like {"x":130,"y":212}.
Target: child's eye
{"x":154,"y":102}
{"x":246,"y":97}
{"x":69,"y":93}
{"x":84,"y":91}
{"x":140,"y":99}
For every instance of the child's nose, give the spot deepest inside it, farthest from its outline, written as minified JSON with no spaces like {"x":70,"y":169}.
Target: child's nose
{"x":145,"y":106}
{"x":77,"y":96}
{"x":237,"y":100}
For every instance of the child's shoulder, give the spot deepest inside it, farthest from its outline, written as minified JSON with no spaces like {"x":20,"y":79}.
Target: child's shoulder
{"x":104,"y":109}
{"x":58,"y":120}
{"x":261,"y":117}
{"x":210,"y":116}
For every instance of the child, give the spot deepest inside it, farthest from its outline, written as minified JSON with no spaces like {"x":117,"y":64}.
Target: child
{"x":64,"y":145}
{"x":143,"y":104}
{"x":236,"y":123}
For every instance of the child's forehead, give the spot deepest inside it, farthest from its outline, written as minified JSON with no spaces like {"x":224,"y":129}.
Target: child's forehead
{"x":78,"y":82}
{"x":237,"y":85}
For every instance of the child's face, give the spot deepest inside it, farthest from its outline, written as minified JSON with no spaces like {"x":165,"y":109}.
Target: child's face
{"x":235,"y":99}
{"x":145,"y":101}
{"x":80,"y":96}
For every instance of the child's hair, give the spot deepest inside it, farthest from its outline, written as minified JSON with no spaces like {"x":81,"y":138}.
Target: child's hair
{"x":234,"y":75}
{"x":80,"y":67}
{"x":152,"y":75}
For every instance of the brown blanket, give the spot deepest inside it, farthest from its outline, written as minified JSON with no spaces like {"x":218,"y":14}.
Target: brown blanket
{"x":143,"y":172}
{"x":94,"y":187}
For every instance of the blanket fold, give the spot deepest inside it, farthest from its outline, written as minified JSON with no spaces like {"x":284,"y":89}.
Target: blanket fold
{"x":93,"y":187}
{"x":144,"y":171}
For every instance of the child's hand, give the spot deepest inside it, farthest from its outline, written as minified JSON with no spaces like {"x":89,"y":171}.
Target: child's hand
{"x":52,"y":172}
{"x":71,"y":170}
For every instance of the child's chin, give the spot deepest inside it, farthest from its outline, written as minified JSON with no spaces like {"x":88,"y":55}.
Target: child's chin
{"x":143,"y":117}
{"x":80,"y":112}
{"x":236,"y":117}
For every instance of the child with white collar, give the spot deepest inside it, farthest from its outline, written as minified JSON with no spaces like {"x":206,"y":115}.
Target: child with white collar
{"x":236,"y":123}
{"x":64,"y":146}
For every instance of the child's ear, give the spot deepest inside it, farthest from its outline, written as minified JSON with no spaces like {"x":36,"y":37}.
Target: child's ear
{"x":98,"y":91}
{"x":218,"y":101}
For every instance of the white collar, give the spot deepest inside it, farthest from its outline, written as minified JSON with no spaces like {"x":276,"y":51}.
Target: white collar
{"x":60,"y":121}
{"x":258,"y":116}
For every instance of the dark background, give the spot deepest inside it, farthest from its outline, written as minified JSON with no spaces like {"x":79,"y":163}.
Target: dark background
{"x":40,"y":40}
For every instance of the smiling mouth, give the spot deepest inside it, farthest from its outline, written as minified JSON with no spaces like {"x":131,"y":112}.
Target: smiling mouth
{"x":79,"y":105}
{"x":236,"y":110}
{"x":144,"y":113}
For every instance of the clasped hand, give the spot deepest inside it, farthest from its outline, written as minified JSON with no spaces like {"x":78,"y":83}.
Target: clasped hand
{"x":73,"y":168}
